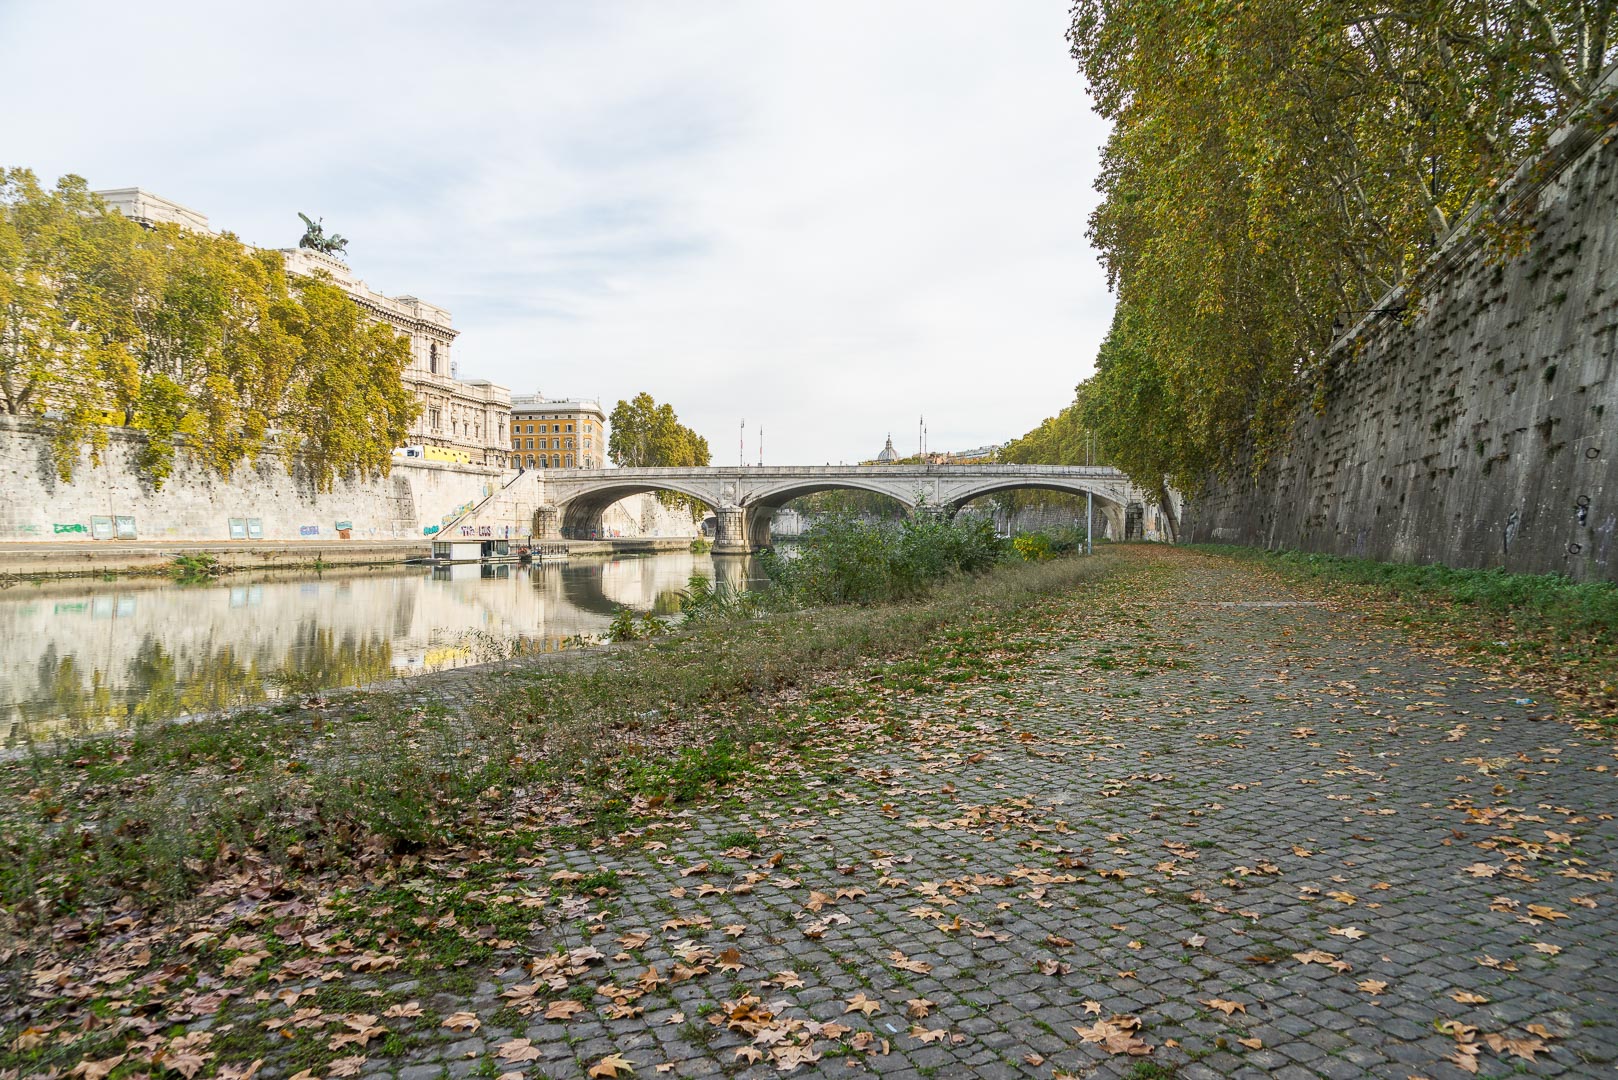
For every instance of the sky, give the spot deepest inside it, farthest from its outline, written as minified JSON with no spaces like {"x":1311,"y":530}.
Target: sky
{"x":827,"y":219}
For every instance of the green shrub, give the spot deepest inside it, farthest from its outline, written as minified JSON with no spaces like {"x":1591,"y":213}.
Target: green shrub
{"x":847,"y":561}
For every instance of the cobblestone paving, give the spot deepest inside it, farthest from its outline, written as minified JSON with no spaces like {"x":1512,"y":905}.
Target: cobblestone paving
{"x":1288,"y":844}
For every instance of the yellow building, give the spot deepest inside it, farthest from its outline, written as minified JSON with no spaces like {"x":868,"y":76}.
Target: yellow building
{"x":557,"y":433}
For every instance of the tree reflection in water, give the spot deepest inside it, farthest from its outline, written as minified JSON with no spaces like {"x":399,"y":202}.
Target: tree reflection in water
{"x":78,"y":657}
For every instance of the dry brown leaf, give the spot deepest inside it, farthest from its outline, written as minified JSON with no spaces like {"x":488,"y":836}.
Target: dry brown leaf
{"x":462,"y":1021}
{"x":517,"y":1050}
{"x":1226,"y":1007}
{"x":563,"y":1009}
{"x":863,"y":1004}
{"x":610,"y":1066}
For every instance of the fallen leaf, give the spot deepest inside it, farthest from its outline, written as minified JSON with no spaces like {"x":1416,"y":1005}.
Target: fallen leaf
{"x":1116,"y":1034}
{"x":610,"y":1066}
{"x":1252,"y":1044}
{"x":863,"y":1004}
{"x":462,"y":1021}
{"x":1226,"y":1007}
{"x":563,"y":1009}
{"x":1466,"y":997}
{"x":518,"y":1050}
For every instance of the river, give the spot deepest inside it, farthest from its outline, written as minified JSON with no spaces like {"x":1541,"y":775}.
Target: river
{"x":79,"y":656}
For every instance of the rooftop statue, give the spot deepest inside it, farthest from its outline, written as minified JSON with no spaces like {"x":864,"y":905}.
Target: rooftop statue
{"x":315,"y":238}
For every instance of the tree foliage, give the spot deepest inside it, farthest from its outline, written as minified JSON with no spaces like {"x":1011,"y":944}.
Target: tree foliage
{"x":646,"y":434}
{"x":1276,"y":165}
{"x":195,"y":340}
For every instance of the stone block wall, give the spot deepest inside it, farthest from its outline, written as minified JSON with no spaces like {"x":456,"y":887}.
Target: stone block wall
{"x":1478,"y":427}
{"x":195,"y":504}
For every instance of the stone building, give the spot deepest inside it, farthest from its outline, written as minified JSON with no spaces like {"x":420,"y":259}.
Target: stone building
{"x":464,"y":420}
{"x":557,"y":433}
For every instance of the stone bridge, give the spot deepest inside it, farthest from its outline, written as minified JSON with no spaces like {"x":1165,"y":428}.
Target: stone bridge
{"x":571,"y":501}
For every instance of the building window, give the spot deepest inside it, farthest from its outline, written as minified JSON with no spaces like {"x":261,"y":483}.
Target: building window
{"x":570,"y":427}
{"x":570,"y":461}
{"x":530,"y":461}
{"x":432,"y":357}
{"x":435,"y":419}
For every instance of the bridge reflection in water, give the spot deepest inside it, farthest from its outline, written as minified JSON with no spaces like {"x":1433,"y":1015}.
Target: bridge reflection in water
{"x":81,"y":656}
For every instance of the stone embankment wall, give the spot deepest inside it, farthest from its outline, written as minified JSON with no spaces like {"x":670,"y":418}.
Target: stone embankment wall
{"x":411,"y":504}
{"x":1479,"y":426}
{"x":195,"y":504}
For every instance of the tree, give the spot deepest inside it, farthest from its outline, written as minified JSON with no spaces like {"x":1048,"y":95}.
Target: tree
{"x":1274,"y":165}
{"x":348,"y":408}
{"x":194,"y":340}
{"x":646,"y":434}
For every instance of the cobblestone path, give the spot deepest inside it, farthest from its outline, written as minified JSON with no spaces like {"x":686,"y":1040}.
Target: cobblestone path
{"x":1220,"y":830}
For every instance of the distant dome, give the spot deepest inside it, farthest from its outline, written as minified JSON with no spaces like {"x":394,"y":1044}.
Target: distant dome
{"x":888,"y":452}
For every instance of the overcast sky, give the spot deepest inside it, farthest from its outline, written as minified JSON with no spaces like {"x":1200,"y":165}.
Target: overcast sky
{"x":829,"y":218}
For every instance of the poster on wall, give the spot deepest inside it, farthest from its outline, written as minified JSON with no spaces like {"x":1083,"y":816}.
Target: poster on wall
{"x":343,"y":528}
{"x":125,"y":527}
{"x":255,"y":528}
{"x":101,"y":528}
{"x":238,"y":528}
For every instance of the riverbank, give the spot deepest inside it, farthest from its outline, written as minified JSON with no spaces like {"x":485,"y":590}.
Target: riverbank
{"x":1157,"y":804}
{"x":88,"y":558}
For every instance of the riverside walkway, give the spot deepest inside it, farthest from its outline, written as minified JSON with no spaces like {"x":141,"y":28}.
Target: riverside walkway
{"x":1218,"y":828}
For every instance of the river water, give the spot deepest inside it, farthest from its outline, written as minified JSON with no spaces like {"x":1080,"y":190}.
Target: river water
{"x":80,"y":656}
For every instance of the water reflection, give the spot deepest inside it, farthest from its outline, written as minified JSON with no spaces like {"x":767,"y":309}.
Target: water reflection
{"x":86,"y":656}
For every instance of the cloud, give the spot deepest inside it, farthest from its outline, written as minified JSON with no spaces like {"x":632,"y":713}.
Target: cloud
{"x":827,"y":218}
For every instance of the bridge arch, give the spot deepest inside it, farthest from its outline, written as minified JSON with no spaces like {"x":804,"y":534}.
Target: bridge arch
{"x":760,"y":506}
{"x":580,"y":515}
{"x":1107,"y":504}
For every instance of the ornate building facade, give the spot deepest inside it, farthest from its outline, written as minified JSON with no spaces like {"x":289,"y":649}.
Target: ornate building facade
{"x":466,"y":420}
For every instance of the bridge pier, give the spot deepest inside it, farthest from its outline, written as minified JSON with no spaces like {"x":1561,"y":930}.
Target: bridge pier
{"x":730,"y":531}
{"x":547,"y":522}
